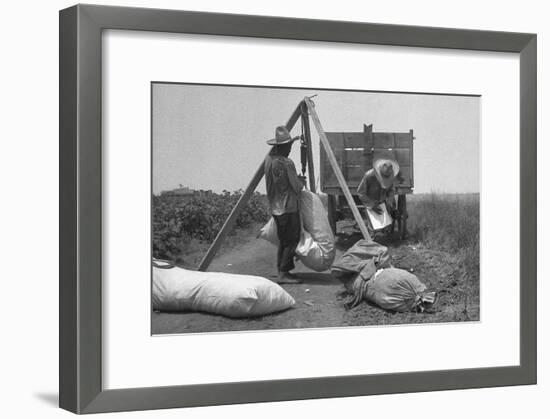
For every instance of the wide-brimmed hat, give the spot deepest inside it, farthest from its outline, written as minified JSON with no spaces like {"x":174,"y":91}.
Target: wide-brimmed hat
{"x":282,"y":136}
{"x":385,"y":170}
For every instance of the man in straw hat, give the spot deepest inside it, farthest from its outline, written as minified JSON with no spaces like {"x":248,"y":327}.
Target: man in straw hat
{"x":283,"y":191}
{"x":376,"y":189}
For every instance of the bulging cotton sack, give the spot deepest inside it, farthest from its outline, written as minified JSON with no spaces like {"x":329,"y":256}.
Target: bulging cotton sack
{"x":231,"y":295}
{"x":269,"y":232}
{"x":398,"y":290}
{"x":316,"y":248}
{"x":315,"y":221}
{"x":313,"y":254}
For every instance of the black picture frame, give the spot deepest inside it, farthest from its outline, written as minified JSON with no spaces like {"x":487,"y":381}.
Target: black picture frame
{"x":80,"y":373}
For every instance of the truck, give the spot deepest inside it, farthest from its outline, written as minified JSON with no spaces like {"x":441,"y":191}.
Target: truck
{"x":356,"y":152}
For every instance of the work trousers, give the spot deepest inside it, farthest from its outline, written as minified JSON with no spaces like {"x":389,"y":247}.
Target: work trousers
{"x":288,"y":231}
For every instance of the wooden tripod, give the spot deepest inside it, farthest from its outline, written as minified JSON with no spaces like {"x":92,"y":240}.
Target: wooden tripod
{"x":304,"y":109}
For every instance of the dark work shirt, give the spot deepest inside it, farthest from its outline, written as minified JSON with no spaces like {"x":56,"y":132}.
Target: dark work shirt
{"x":371,"y":192}
{"x":282,"y":184}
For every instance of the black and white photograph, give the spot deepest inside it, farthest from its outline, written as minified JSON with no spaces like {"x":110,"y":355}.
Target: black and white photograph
{"x":275,"y":209}
{"x":282,"y":208}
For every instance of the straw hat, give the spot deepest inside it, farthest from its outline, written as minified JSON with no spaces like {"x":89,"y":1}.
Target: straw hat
{"x":385,"y":170}
{"x":282,"y":136}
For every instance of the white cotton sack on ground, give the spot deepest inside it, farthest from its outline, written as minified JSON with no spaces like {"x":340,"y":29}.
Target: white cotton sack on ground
{"x":231,"y":295}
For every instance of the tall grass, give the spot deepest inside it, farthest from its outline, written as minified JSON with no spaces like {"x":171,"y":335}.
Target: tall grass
{"x":448,"y":222}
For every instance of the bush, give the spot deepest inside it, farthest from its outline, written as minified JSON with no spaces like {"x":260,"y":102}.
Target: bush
{"x":176,"y":222}
{"x":450,"y":223}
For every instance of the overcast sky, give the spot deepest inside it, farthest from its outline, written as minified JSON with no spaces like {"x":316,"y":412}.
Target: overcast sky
{"x":213,"y":137}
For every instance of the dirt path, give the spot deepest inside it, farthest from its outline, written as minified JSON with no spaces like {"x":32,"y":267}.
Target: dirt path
{"x":319,"y":299}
